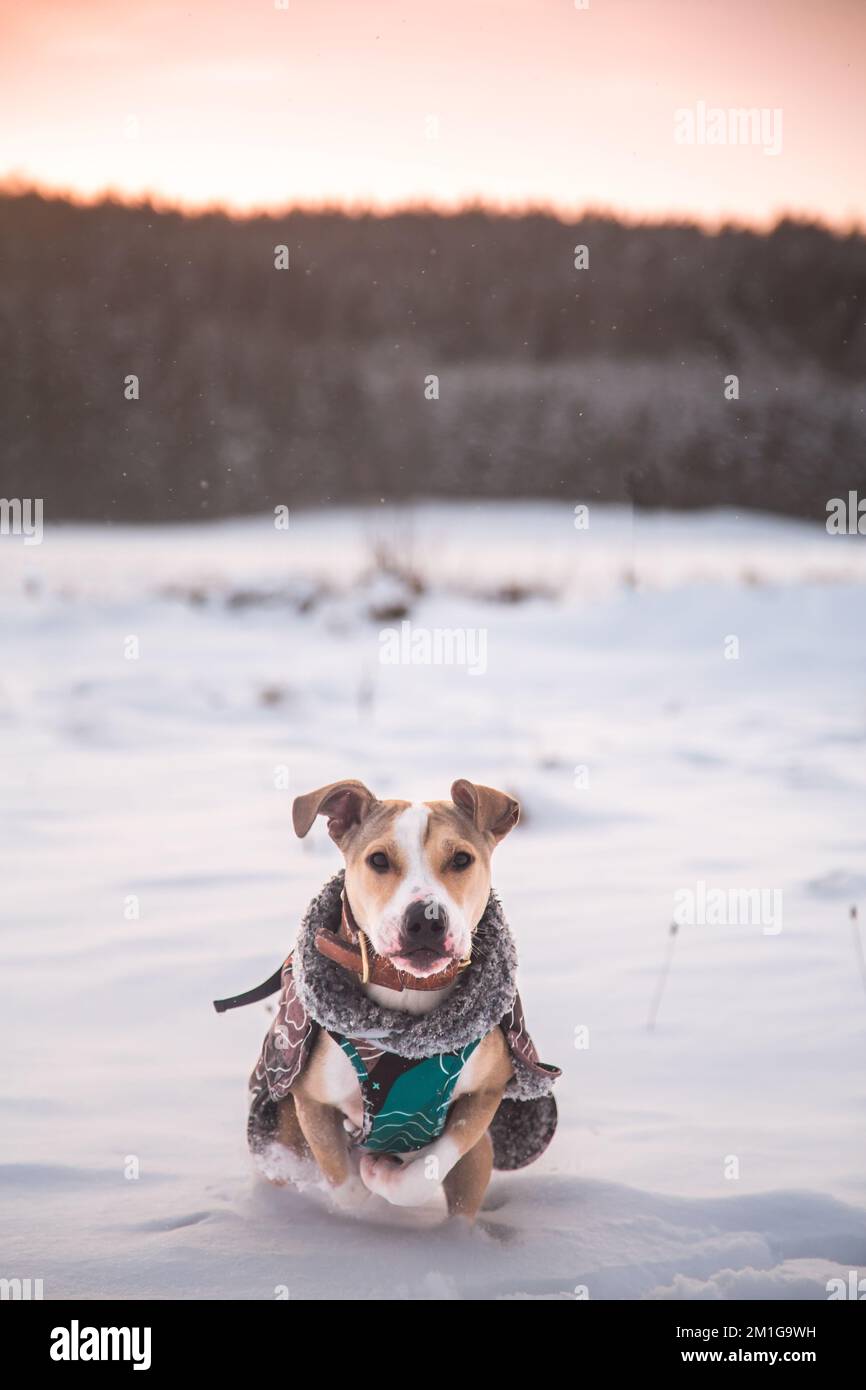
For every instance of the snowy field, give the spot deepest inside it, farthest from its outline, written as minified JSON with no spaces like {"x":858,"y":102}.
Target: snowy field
{"x":718,"y":1155}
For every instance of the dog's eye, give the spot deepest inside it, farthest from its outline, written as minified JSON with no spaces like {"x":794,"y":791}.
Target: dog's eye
{"x":379,"y":862}
{"x":461,"y":860}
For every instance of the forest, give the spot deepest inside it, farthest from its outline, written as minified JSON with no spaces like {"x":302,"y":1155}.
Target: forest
{"x":157,"y":366}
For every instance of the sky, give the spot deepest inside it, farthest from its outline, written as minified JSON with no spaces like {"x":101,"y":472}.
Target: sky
{"x":378,"y":103}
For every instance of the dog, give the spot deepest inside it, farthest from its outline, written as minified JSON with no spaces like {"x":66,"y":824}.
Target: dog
{"x":417,"y":882}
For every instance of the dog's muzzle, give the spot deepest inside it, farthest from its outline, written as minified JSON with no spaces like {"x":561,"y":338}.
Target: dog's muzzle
{"x":351,"y":949}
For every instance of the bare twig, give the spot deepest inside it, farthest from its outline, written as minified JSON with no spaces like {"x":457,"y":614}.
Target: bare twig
{"x":663,"y":976}
{"x":858,"y":945}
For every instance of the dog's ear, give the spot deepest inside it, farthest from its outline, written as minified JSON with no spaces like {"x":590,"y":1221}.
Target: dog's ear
{"x":344,"y":803}
{"x":492,"y":812}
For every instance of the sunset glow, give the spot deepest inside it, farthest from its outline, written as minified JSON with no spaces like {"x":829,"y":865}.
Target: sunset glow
{"x":378,"y":103}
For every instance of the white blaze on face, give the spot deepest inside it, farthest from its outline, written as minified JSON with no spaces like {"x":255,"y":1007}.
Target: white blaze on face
{"x":418,"y":883}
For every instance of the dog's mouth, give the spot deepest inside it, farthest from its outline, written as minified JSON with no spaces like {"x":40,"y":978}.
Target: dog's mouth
{"x":421,"y":962}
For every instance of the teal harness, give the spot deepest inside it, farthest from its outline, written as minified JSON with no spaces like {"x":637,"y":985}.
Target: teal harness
{"x":406,"y":1102}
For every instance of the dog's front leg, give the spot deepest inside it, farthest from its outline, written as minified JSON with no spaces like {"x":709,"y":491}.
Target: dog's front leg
{"x":325,"y":1133}
{"x":322,"y":1126}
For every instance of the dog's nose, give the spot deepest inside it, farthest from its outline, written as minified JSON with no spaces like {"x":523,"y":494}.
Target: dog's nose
{"x":424,"y":926}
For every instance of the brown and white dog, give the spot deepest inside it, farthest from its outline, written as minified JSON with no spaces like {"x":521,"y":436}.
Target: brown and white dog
{"x":417,"y":881}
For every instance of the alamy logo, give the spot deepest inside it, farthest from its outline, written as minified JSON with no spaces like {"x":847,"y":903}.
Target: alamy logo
{"x":729,"y":907}
{"x":76,"y":1343}
{"x":437,"y":646}
{"x":847,"y":516}
{"x":20,"y":1289}
{"x":854,"y":1289}
{"x":735,"y":125}
{"x":22,"y":518}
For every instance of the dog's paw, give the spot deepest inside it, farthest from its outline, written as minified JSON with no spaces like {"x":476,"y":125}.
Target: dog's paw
{"x":409,"y":1184}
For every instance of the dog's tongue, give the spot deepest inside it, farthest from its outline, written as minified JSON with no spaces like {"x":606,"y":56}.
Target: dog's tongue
{"x":425,"y":959}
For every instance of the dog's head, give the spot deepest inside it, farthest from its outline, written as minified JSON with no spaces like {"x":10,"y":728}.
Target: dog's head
{"x":417,"y":873}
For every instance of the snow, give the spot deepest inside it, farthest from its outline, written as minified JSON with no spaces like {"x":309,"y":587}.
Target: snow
{"x":163,"y":785}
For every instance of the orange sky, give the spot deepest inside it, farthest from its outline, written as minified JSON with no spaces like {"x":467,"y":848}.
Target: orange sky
{"x":384,"y":102}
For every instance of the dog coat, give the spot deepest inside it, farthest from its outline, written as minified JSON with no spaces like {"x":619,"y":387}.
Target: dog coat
{"x":407,"y":1065}
{"x":406,"y":1103}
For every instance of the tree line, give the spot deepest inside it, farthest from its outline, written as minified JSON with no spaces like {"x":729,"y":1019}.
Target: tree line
{"x":162,"y":367}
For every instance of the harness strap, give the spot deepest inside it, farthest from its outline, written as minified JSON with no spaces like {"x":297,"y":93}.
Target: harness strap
{"x":252,"y":996}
